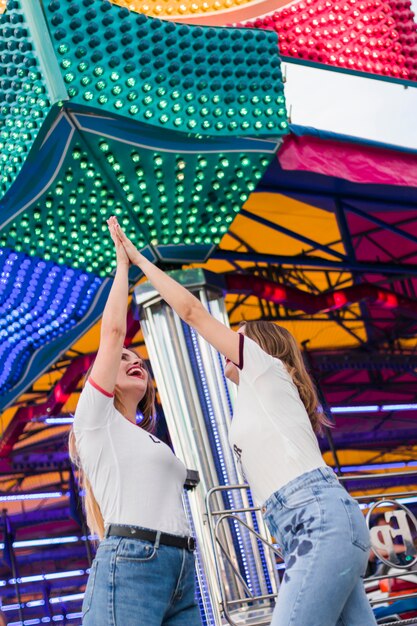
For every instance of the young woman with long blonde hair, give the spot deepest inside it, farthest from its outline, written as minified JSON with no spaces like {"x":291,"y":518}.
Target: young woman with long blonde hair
{"x":143,"y":573}
{"x":319,"y":527}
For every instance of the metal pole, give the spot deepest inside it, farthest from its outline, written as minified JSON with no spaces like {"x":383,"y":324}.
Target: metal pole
{"x":87,"y":542}
{"x":79,"y":517}
{"x":46,"y":597}
{"x":197,"y":401}
{"x":12,"y":564}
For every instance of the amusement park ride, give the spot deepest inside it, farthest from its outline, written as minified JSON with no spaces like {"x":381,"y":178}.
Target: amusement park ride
{"x":232,"y":140}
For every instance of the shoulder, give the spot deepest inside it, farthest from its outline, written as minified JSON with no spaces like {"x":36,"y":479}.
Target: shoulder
{"x":94,"y":408}
{"x":253,"y":360}
{"x":250,"y":347}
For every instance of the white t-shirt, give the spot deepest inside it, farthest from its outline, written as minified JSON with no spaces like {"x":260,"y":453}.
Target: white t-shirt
{"x":136,"y":478}
{"x":271,"y":433}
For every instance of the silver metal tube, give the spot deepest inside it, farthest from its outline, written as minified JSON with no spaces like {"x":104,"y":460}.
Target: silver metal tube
{"x":253,"y":599}
{"x":390,"y":599}
{"x":198,"y":402}
{"x":403,"y":575}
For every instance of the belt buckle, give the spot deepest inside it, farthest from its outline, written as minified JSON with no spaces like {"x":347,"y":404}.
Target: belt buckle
{"x":190,"y":544}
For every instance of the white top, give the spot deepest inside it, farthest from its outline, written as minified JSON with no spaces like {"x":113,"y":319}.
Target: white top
{"x":271,"y":433}
{"x":136,"y":478}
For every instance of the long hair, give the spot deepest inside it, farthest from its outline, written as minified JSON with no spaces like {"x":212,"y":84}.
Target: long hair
{"x":146,"y":407}
{"x":280,"y":343}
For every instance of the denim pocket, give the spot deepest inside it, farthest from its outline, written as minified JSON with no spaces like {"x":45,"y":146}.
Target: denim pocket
{"x":136,"y":550}
{"x":88,"y":596}
{"x":300,"y":498}
{"x":358,"y":530}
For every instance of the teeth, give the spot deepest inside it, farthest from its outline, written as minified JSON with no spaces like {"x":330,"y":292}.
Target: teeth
{"x":133,"y":372}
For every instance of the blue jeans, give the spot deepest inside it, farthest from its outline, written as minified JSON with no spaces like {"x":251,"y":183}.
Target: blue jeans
{"x":135,"y":583}
{"x":325,"y":543}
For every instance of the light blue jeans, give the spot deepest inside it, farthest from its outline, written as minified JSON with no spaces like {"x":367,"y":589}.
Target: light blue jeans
{"x":134,"y":583}
{"x":325,"y":544}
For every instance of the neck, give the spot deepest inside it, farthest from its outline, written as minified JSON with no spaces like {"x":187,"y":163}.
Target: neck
{"x":129,"y":408}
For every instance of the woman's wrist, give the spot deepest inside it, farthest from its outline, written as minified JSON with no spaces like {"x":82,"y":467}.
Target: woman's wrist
{"x":122,"y":264}
{"x":139,"y":260}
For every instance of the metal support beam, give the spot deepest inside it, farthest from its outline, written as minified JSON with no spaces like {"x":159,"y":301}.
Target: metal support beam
{"x":371,"y":439}
{"x":291,"y":233}
{"x":30,"y":463}
{"x":297,"y":191}
{"x":392,"y":228}
{"x":42,"y":516}
{"x":351,"y":253}
{"x":337,"y":361}
{"x":301,"y":260}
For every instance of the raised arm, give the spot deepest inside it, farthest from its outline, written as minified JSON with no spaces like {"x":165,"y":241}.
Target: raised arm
{"x":113,"y":324}
{"x":188,"y":307}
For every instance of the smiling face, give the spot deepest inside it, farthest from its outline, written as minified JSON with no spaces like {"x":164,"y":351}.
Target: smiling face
{"x":132,"y":376}
{"x":231,"y":371}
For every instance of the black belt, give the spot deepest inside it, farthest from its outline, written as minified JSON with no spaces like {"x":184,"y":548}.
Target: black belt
{"x":132,"y":532}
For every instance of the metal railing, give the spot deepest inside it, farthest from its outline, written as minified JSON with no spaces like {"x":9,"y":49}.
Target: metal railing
{"x":250,"y":609}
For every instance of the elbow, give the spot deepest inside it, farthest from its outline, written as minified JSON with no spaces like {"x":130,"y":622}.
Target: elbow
{"x":192,"y":313}
{"x":113,"y":332}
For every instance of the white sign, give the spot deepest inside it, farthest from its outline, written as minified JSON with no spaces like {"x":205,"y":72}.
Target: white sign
{"x":394,"y":535}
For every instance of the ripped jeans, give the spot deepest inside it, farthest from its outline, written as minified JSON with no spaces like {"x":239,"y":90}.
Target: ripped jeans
{"x":325,"y":543}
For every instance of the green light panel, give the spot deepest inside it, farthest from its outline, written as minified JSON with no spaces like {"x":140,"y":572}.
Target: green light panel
{"x":156,"y":122}
{"x":24,"y":102}
{"x":68,"y":223}
{"x":216,"y":81}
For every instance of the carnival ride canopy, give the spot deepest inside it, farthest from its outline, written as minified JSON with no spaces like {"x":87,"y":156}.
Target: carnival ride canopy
{"x":181,"y":129}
